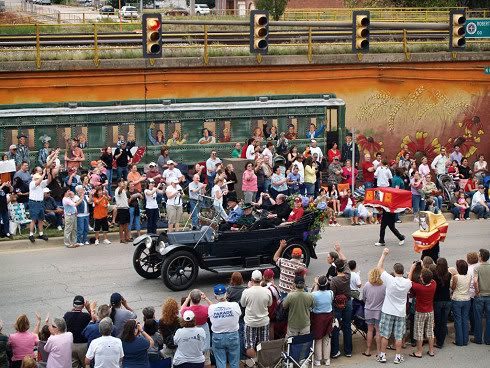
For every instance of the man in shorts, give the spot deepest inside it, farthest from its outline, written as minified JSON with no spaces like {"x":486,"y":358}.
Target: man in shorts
{"x":36,"y":205}
{"x":393,"y":312}
{"x":174,"y":204}
{"x":256,"y":300}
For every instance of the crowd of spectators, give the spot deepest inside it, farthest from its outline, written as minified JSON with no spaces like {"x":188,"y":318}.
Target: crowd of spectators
{"x":67,"y":192}
{"x":399,"y":308}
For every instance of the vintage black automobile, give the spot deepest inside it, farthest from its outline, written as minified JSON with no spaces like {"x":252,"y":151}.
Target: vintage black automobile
{"x":178,"y":256}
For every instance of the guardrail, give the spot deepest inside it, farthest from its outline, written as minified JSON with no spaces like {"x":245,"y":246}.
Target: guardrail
{"x":312,"y":38}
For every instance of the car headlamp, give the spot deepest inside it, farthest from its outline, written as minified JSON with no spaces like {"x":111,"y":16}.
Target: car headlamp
{"x":160,"y":247}
{"x":148,"y":242}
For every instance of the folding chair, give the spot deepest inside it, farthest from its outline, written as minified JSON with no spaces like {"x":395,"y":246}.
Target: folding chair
{"x":269,"y":353}
{"x":299,"y":351}
{"x":358,"y":323}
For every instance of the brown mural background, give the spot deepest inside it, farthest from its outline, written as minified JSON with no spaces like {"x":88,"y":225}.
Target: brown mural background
{"x":423,"y":105}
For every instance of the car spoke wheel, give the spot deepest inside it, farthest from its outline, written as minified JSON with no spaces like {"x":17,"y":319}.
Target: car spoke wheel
{"x":305,"y":258}
{"x":147,"y":262}
{"x":179,"y":270}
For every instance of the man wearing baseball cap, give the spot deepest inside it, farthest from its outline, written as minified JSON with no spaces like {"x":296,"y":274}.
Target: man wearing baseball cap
{"x":224,"y":317}
{"x":76,"y":321}
{"x":256,"y":301}
{"x":190,"y":343}
{"x":172,"y":173}
{"x":299,"y":304}
{"x":287,"y":267}
{"x":36,"y":205}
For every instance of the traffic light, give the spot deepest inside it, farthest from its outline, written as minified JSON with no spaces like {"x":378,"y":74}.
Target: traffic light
{"x":360,"y":31}
{"x":152,"y":36}
{"x":457,"y":31}
{"x":259,"y":31}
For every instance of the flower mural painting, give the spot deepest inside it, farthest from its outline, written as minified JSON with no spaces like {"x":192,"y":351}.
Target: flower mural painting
{"x":471,"y":124}
{"x":368,"y":144}
{"x":467,"y":144}
{"x":421,"y":145}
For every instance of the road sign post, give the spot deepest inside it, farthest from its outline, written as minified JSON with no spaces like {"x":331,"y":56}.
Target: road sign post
{"x":477,"y":28}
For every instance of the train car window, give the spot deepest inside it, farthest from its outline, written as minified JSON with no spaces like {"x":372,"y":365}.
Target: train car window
{"x":155,"y":135}
{"x":224,"y":135}
{"x":175,"y":136}
{"x":208,"y":133}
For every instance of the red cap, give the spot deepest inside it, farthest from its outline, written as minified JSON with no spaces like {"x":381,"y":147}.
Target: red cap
{"x":392,"y":162}
{"x":268,"y":274}
{"x":297,"y":252}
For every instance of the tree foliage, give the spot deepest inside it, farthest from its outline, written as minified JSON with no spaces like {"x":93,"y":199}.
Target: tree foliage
{"x":276,"y":8}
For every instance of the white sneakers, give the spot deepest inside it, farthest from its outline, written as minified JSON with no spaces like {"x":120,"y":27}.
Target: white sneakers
{"x":378,"y":244}
{"x":59,"y":228}
{"x":107,"y":241}
{"x":96,"y":242}
{"x":401,"y":242}
{"x":317,"y":363}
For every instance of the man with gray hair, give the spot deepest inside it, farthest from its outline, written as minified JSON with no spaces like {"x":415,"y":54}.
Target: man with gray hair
{"x":59,"y":345}
{"x":106,"y":351}
{"x":224,"y":317}
{"x":83,"y":214}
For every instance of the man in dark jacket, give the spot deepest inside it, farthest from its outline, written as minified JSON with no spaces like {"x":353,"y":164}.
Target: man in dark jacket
{"x":347,"y":149}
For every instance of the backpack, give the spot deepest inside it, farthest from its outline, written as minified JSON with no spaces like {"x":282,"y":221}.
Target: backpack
{"x":340,"y":301}
{"x":281,"y":312}
{"x":275,"y":303}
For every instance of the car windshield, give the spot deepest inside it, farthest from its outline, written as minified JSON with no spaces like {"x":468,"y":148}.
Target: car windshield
{"x":131,"y":8}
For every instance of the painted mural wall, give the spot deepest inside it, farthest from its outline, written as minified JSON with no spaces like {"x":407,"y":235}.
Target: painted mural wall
{"x":421,"y":105}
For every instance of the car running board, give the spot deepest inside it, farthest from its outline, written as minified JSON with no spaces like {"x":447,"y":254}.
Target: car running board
{"x":231,"y":269}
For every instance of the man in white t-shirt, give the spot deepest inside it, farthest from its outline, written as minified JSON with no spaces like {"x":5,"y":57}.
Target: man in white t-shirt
{"x":106,"y":351}
{"x":394,"y":308}
{"x":36,"y":205}
{"x":256,"y":300}
{"x":224,"y":317}
{"x":383,"y":175}
{"x":171,"y":173}
{"x":174,"y":205}
{"x":250,"y":152}
{"x":211,"y":163}
{"x":315,"y":149}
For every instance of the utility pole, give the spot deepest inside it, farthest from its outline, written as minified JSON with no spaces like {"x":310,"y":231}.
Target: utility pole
{"x":192,"y":7}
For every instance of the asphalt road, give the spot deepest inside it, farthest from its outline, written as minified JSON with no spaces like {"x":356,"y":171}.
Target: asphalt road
{"x":45,"y":279}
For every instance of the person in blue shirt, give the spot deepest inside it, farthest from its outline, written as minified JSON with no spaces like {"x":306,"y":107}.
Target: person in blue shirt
{"x":135,"y":343}
{"x":235,"y":212}
{"x":91,"y":331}
{"x":313,"y":132}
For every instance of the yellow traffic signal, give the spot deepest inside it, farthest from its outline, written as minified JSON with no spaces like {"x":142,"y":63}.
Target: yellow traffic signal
{"x":360,"y":31}
{"x":457,"y":31}
{"x":259,"y":31}
{"x":152,"y":35}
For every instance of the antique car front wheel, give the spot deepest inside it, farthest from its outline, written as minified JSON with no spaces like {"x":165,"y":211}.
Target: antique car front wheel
{"x":146,"y":262}
{"x":297,"y":244}
{"x":179,"y":270}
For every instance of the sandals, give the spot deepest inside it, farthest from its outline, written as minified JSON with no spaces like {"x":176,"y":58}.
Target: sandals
{"x":430,"y":354}
{"x":415,"y":355}
{"x":367,"y":355}
{"x":390,"y":347}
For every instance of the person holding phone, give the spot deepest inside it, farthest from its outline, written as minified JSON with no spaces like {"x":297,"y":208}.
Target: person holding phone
{"x":135,"y":343}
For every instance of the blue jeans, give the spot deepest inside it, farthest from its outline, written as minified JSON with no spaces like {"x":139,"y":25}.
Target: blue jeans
{"x":350,"y":212}
{"x":82,"y":229}
{"x":152,"y":218}
{"x":482,"y":306}
{"x":441,"y":312}
{"x":5,"y":222}
{"x":480,"y":211}
{"x":109,"y":180}
{"x":267,"y":184}
{"x":225,"y":345}
{"x":461,"y":314}
{"x":418,"y":203}
{"x":310,"y":189}
{"x":195,"y":208}
{"x":455,"y":212}
{"x":344,"y":317}
{"x":134,"y":220}
{"x":122,"y":172}
{"x":368,"y":185}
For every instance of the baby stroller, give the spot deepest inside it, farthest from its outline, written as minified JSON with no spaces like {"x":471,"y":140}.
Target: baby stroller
{"x":359,"y":324}
{"x":448,"y":186}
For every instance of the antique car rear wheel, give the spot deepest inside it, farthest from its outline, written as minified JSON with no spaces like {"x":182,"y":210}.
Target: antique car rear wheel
{"x":297,"y":244}
{"x":146,"y":262}
{"x":179,"y":270}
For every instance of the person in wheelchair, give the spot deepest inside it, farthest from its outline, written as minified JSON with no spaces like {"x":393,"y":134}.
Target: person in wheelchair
{"x":235,"y":213}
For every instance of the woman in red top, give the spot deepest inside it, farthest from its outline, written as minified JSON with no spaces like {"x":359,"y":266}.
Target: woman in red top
{"x":333,"y":152}
{"x":349,"y":174}
{"x":297,"y":211}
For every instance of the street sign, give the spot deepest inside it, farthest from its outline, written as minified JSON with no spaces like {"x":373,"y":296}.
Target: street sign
{"x":478,"y":28}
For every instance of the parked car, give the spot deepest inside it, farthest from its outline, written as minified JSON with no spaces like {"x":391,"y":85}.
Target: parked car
{"x":202,"y":9}
{"x":175,"y":12}
{"x":2,"y":6}
{"x":107,"y":9}
{"x":178,"y":256}
{"x":45,"y":2}
{"x":129,"y":12}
